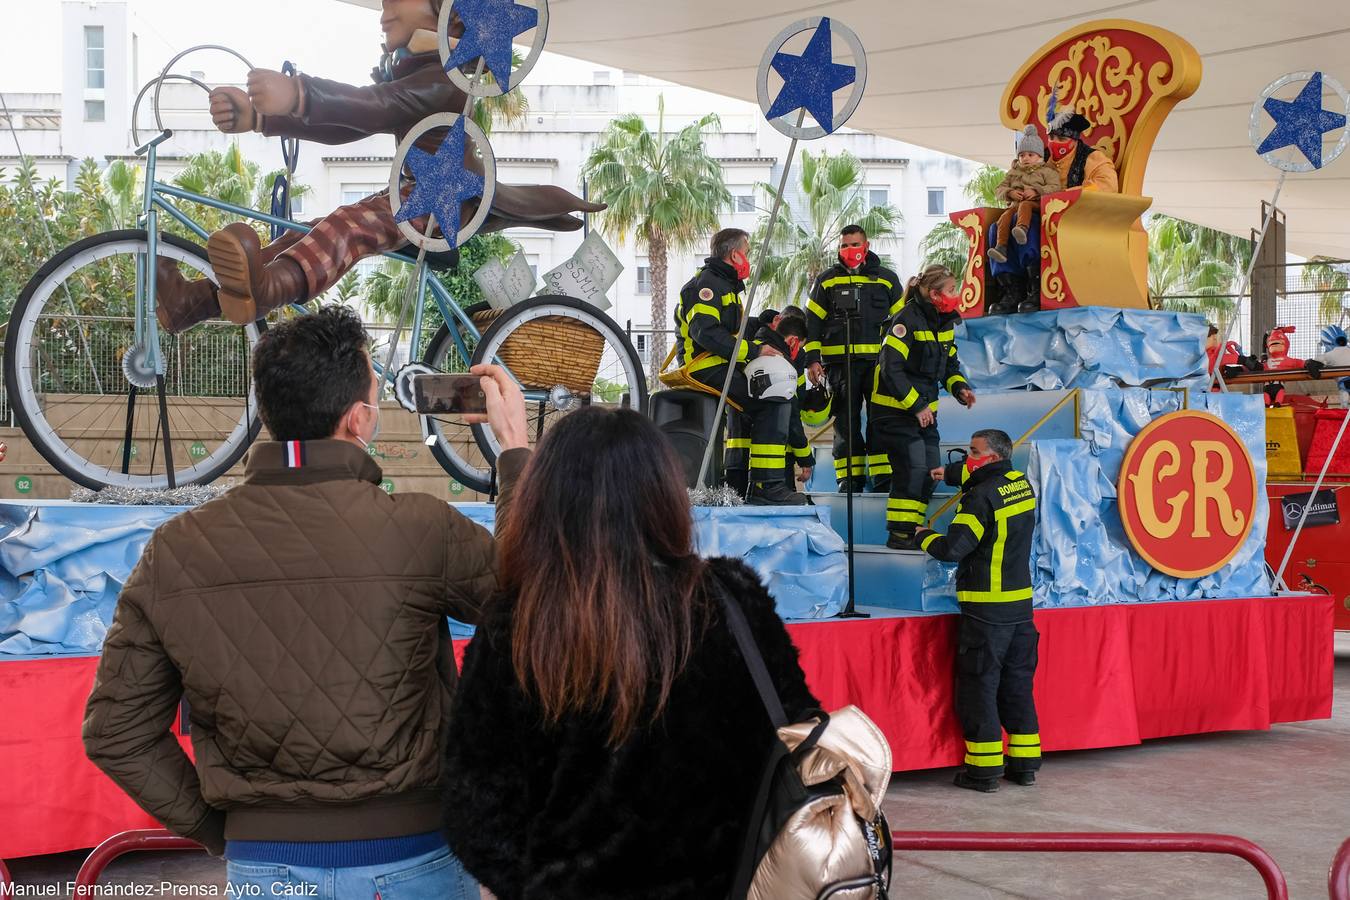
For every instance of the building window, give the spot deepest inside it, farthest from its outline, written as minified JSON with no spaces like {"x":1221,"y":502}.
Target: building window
{"x":937,"y":201}
{"x":93,"y":110}
{"x":93,"y":57}
{"x":878,"y":197}
{"x":533,"y":260}
{"x":630,"y":78}
{"x":601,"y":76}
{"x":742,"y":199}
{"x":355,"y":193}
{"x":297,"y":205}
{"x":642,"y":342}
{"x":644,"y":279}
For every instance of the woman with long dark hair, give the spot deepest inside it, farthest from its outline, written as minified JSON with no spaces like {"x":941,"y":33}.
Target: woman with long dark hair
{"x":606,"y":737}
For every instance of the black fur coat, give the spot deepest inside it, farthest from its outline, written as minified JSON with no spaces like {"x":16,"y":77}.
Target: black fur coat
{"x":537,"y":812}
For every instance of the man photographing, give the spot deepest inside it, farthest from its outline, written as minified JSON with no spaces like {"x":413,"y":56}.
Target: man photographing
{"x":990,"y":540}
{"x":839,"y":350}
{"x":302,"y":615}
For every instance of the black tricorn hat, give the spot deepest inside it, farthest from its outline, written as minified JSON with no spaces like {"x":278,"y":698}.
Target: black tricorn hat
{"x":1070,"y":123}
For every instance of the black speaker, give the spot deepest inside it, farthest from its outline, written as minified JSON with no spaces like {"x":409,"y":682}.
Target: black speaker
{"x":686,"y":417}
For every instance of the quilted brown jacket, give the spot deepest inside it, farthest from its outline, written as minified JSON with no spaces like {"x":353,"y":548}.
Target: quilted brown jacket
{"x":302,"y":617}
{"x":1042,"y":178}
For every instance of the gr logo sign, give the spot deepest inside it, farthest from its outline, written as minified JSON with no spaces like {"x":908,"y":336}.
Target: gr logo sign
{"x":1187,"y":494}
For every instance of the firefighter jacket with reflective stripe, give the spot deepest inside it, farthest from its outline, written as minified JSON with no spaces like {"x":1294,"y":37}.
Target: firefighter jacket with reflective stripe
{"x":918,"y":357}
{"x":876,"y":294}
{"x":799,"y":451}
{"x":990,"y":540}
{"x":709,"y":317}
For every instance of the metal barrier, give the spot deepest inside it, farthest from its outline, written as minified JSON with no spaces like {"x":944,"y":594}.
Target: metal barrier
{"x":1105,"y":842}
{"x":1338,"y":880}
{"x":128,"y":842}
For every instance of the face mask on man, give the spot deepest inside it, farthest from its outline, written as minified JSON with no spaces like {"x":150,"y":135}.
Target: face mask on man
{"x":741,"y":263}
{"x":374,"y":432}
{"x":1061,"y":148}
{"x":853,"y":257}
{"x":977,"y":462}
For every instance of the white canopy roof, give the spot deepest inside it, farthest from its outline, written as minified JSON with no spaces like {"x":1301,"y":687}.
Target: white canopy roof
{"x":937,"y":71}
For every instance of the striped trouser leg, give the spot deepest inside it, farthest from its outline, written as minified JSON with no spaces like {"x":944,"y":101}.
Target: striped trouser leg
{"x":904,"y":514}
{"x":343,"y":238}
{"x":736,"y":451}
{"x":1016,"y":704}
{"x":977,"y":680}
{"x":769,"y":422}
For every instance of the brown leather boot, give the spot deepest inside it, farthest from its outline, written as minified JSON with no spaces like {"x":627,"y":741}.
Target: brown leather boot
{"x":179,"y":303}
{"x":249,"y":290}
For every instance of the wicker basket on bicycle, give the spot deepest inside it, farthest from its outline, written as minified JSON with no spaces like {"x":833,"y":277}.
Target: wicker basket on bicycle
{"x":549,"y":351}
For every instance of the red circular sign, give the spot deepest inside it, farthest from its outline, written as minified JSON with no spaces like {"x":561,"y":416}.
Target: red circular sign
{"x":1187,"y":494}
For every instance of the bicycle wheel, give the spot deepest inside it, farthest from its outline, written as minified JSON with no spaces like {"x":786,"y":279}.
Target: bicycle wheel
{"x":561,"y":350}
{"x":85,"y":393}
{"x":454,"y":446}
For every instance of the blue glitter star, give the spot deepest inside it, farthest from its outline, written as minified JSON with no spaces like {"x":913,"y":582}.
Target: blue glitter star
{"x":443,"y":182}
{"x":489,"y":26}
{"x":1301,"y":123}
{"x":810,"y":80}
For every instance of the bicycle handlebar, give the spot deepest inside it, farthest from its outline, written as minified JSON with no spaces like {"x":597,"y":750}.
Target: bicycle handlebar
{"x":166,"y":75}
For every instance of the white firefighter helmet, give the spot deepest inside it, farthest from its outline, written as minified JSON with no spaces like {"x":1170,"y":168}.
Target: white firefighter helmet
{"x":771,"y":378}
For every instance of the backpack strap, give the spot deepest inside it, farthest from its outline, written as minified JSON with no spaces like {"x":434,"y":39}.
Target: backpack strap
{"x":740,"y":630}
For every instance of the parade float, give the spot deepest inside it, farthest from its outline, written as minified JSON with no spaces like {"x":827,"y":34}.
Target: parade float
{"x":1157,"y":611}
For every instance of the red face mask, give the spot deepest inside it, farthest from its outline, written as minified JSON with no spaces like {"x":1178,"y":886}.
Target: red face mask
{"x":1060,"y":149}
{"x":741,"y":263}
{"x":853,"y":257}
{"x":947,"y":303}
{"x":976,"y":462}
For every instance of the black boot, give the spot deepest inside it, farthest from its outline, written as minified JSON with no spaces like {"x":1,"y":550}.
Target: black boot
{"x":776,"y":493}
{"x":738,"y":480}
{"x":983,"y":785}
{"x":858,"y":483}
{"x":1031,"y":301}
{"x":1025,"y":779}
{"x":902,"y":540}
{"x":1008,"y":294}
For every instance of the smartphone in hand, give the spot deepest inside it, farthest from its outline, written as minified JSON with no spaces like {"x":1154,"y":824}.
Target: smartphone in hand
{"x":435,"y":394}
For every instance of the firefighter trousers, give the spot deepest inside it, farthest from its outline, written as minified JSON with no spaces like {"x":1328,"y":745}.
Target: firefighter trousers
{"x":756,"y":440}
{"x":995,"y":668}
{"x":913,"y":452}
{"x":866,"y":459}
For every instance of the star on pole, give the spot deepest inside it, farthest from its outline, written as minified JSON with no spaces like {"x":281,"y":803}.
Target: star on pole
{"x":489,"y":27}
{"x":1302,"y":122}
{"x":810,"y":80}
{"x":442,"y":183}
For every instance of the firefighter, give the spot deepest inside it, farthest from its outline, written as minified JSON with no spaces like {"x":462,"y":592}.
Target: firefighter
{"x":858,"y":286}
{"x":918,"y":357}
{"x":708,"y":320}
{"x":786,"y":333}
{"x":990,"y":539}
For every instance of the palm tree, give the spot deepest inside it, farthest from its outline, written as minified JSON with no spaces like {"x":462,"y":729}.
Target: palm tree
{"x":807,"y":241}
{"x":224,"y":175}
{"x":121,"y":200}
{"x":507,"y":109}
{"x":1331,"y":281}
{"x":947,"y":244}
{"x":1195,"y":269}
{"x":664,"y":188}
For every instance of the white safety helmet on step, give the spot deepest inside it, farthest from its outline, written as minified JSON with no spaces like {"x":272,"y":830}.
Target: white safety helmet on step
{"x":771,"y":378}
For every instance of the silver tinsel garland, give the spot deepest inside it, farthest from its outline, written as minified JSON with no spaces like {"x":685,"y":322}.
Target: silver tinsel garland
{"x":188,"y":495}
{"x":715,"y":496}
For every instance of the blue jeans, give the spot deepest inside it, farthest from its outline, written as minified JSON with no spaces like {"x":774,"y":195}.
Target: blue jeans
{"x":437,"y":875}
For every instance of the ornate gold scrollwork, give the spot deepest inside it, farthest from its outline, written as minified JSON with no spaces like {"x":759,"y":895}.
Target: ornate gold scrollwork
{"x":1052,"y":274}
{"x":1106,"y":94}
{"x":972,"y":283}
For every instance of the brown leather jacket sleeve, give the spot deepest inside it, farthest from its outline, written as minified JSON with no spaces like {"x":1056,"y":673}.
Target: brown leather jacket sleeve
{"x":336,"y":113}
{"x":471,"y":575}
{"x":129,"y":714}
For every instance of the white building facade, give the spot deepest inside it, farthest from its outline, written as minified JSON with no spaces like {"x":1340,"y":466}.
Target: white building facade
{"x":570,"y":104}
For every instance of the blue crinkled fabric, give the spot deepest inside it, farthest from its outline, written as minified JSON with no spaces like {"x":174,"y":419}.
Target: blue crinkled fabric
{"x":1081,"y":555}
{"x":63,"y":565}
{"x":1086,"y":347}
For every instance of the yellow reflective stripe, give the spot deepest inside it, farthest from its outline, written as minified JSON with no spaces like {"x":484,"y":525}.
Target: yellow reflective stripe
{"x":708,"y":362}
{"x":855,"y":279}
{"x":910,"y":399}
{"x":812,"y":346}
{"x":984,"y":746}
{"x":991,"y":597}
{"x":897,"y":345}
{"x":1014,"y":475}
{"x":738,"y":443}
{"x":816,"y":310}
{"x":877,"y":459}
{"x":742,"y":351}
{"x":804,"y":452}
{"x":832,"y":350}
{"x":923,"y":335}
{"x":703,"y":309}
{"x":866,"y":348}
{"x":948,"y":335}
{"x":1008,"y":512}
{"x":1024,"y":740}
{"x":974,"y":524}
{"x":928,"y":539}
{"x":903,"y":503}
{"x":984,"y":761}
{"x":933,"y":406}
{"x":953,"y":382}
{"x":897,"y":306}
{"x":801,"y":380}
{"x":730,"y":299}
{"x":768,"y":449}
{"x":767,"y":462}
{"x":1025,"y":752}
{"x":952,"y":350}
{"x":904,"y":518}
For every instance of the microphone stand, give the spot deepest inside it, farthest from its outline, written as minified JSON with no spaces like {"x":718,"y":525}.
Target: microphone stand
{"x":850,"y":610}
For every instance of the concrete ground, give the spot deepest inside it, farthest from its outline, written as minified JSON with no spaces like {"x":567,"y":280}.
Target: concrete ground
{"x":1287,"y":789}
